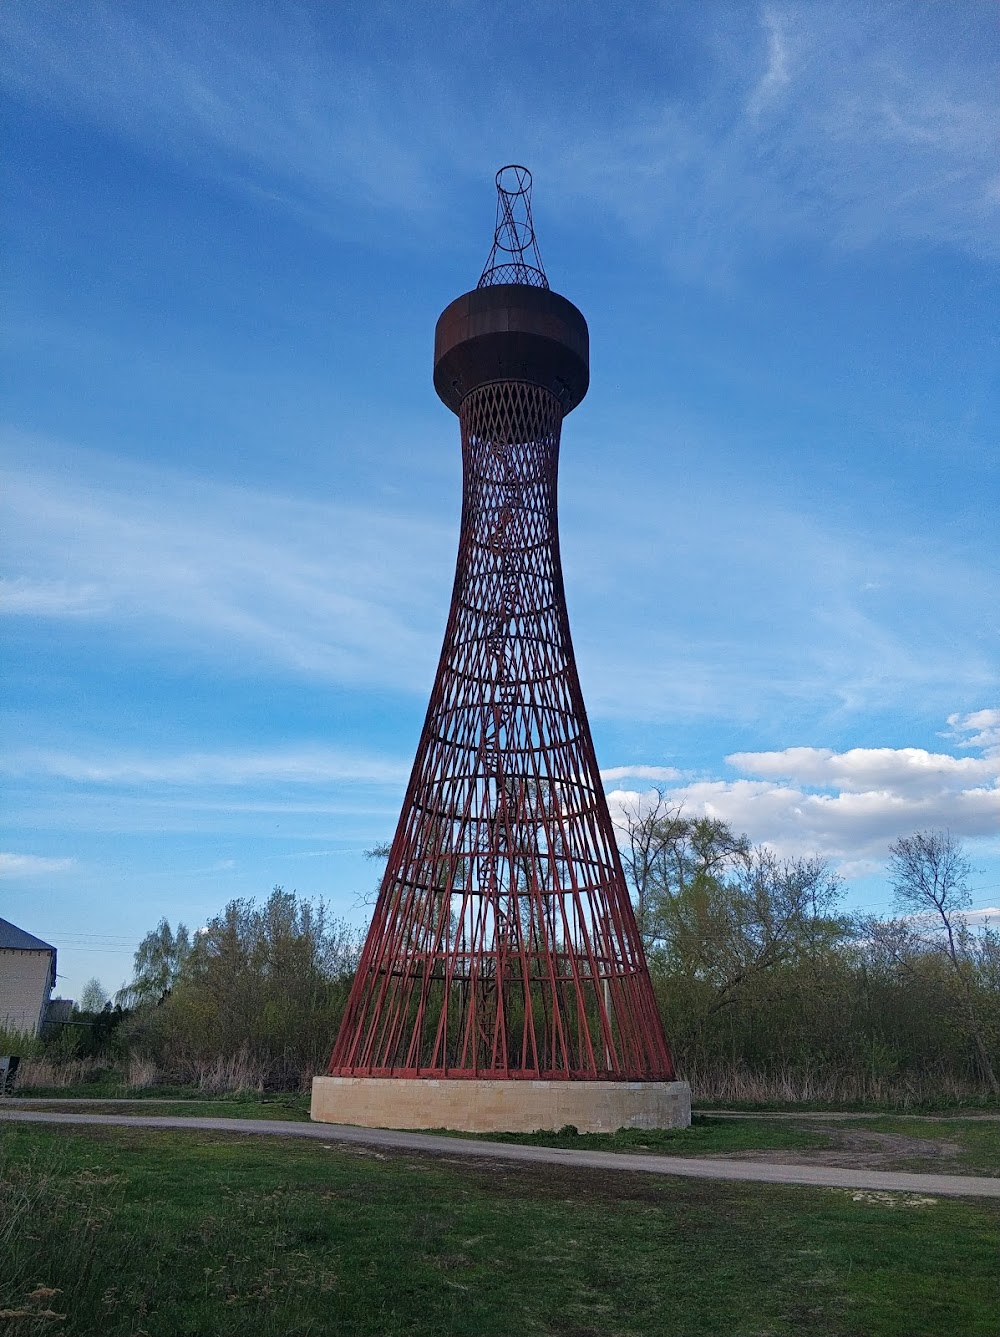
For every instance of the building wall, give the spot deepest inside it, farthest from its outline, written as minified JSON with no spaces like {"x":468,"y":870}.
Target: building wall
{"x":25,"y":984}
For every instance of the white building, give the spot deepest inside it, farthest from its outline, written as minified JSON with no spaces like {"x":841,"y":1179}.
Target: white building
{"x":27,"y":978}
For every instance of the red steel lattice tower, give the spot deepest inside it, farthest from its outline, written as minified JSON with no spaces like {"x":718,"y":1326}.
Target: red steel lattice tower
{"x":503,"y":943}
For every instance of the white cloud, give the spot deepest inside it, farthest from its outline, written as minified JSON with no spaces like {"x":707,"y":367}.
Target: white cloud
{"x":846,"y":123}
{"x":321,"y":588}
{"x":269,"y":105}
{"x":178,"y":565}
{"x":776,"y":76}
{"x":307,"y":767}
{"x":980,"y":728}
{"x":656,"y":773}
{"x":909,"y":771}
{"x":31,"y":865}
{"x":978,"y":918}
{"x":835,"y":123}
{"x":846,"y":806}
{"x":49,"y":598}
{"x":750,"y":633}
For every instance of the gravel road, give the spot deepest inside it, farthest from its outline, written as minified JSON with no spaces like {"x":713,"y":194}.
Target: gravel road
{"x":453,"y":1148}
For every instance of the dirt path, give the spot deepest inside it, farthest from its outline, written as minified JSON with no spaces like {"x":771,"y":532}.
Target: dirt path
{"x":454,"y":1148}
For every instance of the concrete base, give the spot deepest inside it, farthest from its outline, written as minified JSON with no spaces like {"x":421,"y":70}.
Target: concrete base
{"x":486,"y":1105}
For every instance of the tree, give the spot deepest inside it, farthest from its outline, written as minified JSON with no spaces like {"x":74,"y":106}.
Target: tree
{"x":730,"y":927}
{"x":666,"y":853}
{"x":377,"y":854}
{"x":742,"y":944}
{"x":92,"y":997}
{"x":929,"y":872}
{"x":265,"y":982}
{"x":159,"y":961}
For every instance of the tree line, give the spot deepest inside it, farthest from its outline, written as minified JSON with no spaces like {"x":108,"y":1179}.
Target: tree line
{"x":254,"y":997}
{"x":766,"y":983}
{"x":767,"y":986}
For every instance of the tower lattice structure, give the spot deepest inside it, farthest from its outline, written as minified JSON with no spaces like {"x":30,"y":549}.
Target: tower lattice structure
{"x":503,"y":942}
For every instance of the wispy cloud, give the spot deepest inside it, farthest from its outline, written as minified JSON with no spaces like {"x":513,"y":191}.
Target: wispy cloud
{"x":843,"y":123}
{"x":847,"y":806}
{"x":776,"y":76}
{"x":31,"y":865}
{"x":794,"y":615}
{"x":238,"y":577}
{"x":272,"y":105}
{"x":359,"y":814}
{"x":657,"y":773}
{"x":49,"y":598}
{"x":978,"y":728}
{"x":319,"y":588}
{"x":836,"y":124}
{"x":316,"y":766}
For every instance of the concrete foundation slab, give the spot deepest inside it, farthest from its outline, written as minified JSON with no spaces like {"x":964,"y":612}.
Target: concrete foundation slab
{"x":487,"y":1105}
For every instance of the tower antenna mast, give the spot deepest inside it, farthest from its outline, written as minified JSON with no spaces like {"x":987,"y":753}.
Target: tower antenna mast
{"x":514,"y":257}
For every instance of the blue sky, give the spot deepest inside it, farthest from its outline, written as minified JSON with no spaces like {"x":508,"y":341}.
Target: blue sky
{"x":233,"y":495}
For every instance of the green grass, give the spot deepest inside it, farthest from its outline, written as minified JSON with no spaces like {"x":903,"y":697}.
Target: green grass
{"x":125,"y":1231}
{"x":295,"y":1108}
{"x":112,"y":1089}
{"x":705,"y":1137}
{"x":985,"y":1104}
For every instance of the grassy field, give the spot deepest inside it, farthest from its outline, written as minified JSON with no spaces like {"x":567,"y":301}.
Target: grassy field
{"x":291,"y":1107}
{"x":114,"y":1090}
{"x":121,"y":1231}
{"x":947,"y":1105}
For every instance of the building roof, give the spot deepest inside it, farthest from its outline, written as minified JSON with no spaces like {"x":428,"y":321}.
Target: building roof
{"x":15,"y":939}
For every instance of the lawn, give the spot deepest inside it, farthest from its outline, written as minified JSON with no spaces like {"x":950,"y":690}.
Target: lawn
{"x":705,"y":1137}
{"x":111,"y":1089}
{"x":122,"y":1231}
{"x":291,"y":1107}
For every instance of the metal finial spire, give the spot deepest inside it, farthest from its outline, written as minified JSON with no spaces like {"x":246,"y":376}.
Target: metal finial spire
{"x":514,"y":257}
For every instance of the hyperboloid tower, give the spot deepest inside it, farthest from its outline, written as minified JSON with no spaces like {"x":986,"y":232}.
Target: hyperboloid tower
{"x":503,"y":983}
